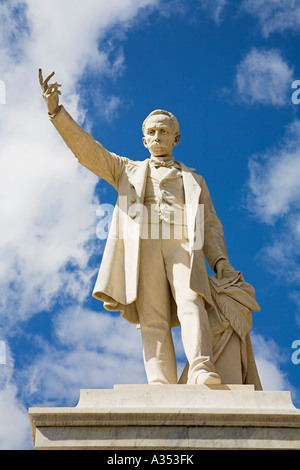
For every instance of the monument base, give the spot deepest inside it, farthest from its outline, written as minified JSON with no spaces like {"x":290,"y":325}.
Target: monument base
{"x":170,"y":417}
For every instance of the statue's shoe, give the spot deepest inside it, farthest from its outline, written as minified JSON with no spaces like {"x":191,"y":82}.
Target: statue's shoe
{"x":208,"y":378}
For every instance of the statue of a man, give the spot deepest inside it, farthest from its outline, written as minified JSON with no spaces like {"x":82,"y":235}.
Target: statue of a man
{"x":154,"y":280}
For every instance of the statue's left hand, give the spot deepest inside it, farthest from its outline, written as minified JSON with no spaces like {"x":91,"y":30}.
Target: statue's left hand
{"x":223,"y":266}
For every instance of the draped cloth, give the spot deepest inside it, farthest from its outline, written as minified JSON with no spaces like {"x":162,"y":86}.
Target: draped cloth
{"x":231,"y":319}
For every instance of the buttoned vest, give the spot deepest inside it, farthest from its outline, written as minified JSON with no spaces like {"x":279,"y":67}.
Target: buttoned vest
{"x":164,"y":195}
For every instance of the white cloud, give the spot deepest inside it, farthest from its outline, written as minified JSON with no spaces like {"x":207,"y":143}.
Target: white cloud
{"x":274,"y":198}
{"x":214,"y":7}
{"x":69,"y":31}
{"x":14,"y":428}
{"x":274,"y":178}
{"x":270,"y":361}
{"x":14,"y":422}
{"x":91,"y":350}
{"x":88,"y":329}
{"x":263,"y":77}
{"x":48,"y":214}
{"x":2,"y":352}
{"x":47,"y":206}
{"x":274,"y":15}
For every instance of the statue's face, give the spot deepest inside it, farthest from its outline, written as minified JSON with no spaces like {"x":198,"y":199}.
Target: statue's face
{"x":159,"y":135}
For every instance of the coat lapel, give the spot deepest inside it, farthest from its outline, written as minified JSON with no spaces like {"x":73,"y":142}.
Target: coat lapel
{"x":192,"y":191}
{"x":137,"y":175}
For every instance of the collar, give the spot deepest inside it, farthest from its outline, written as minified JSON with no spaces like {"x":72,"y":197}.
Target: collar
{"x":161,"y":160}
{"x":157,"y":162}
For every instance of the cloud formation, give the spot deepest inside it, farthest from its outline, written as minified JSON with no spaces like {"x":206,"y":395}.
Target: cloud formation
{"x":90,"y":350}
{"x":47,"y":202}
{"x":214,"y":7}
{"x":274,"y":177}
{"x":270,"y":363}
{"x":263,"y":77}
{"x":273,"y":198}
{"x":14,"y":423}
{"x":274,"y":15}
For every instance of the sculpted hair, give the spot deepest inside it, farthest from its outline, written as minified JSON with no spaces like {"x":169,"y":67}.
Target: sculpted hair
{"x":167,"y":113}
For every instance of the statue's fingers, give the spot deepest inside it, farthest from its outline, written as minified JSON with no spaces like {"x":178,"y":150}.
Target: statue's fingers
{"x":47,"y":80}
{"x":54,"y":86}
{"x":54,"y":93}
{"x":41,"y":78}
{"x":50,"y":76}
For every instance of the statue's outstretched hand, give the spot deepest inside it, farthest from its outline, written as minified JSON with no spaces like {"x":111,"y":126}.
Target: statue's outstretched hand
{"x":50,"y":93}
{"x":224,"y":268}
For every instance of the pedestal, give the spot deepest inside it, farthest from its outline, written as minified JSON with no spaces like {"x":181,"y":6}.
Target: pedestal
{"x":170,"y":417}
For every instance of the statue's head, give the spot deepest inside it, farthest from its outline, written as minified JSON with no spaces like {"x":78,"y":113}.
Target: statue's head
{"x":161,"y":133}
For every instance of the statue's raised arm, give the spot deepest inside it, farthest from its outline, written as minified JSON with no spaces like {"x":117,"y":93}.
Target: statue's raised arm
{"x":50,"y":92}
{"x":87,"y":150}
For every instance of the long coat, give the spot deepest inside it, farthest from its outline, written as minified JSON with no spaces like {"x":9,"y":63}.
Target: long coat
{"x":117,"y":281}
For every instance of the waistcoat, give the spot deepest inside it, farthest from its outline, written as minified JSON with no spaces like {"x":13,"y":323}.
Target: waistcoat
{"x":164,"y":195}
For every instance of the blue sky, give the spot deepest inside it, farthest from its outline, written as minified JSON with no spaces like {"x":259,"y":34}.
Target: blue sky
{"x":225,"y":69}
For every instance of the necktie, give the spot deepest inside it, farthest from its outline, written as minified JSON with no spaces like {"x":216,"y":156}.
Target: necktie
{"x":167,"y":164}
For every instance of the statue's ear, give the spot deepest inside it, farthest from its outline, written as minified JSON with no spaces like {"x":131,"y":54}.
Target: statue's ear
{"x":145,"y":142}
{"x":177,"y":139}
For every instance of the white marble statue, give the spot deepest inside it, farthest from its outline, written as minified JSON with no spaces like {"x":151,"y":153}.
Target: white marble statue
{"x":153,"y":268}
